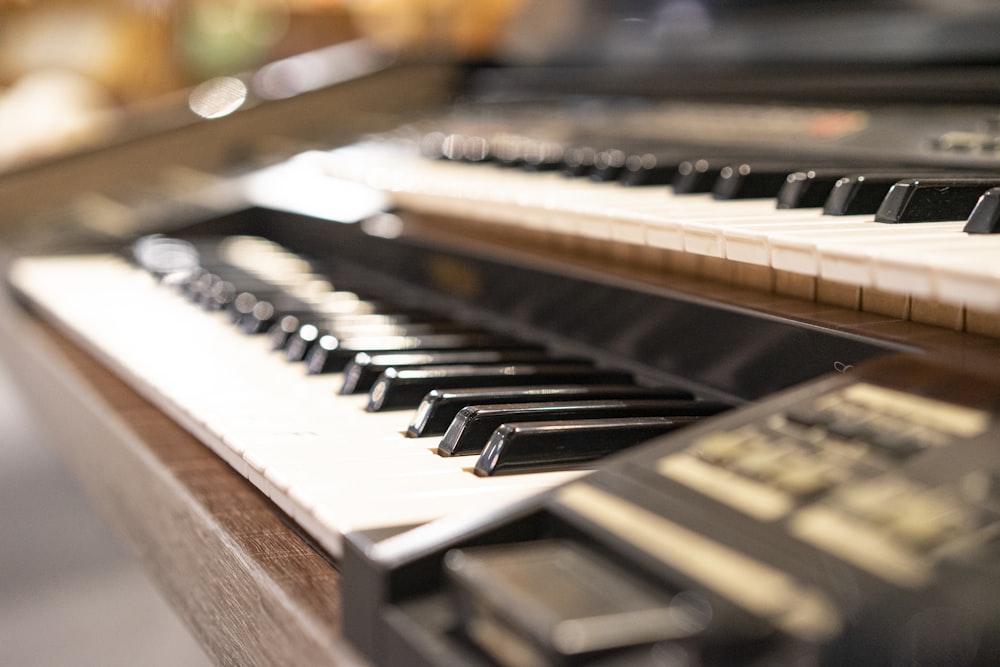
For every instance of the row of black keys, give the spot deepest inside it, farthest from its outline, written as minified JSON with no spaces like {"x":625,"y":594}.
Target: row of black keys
{"x":890,"y":194}
{"x":515,"y":404}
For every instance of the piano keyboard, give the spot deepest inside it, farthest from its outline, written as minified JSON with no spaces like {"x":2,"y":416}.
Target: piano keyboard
{"x":324,"y":458}
{"x":935,"y":261}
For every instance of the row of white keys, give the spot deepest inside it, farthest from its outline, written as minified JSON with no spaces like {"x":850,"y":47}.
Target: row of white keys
{"x":332,"y":466}
{"x":929,"y":260}
{"x":549,"y":202}
{"x":652,"y":216}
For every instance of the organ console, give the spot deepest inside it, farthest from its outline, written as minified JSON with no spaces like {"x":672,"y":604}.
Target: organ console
{"x":592,"y":365}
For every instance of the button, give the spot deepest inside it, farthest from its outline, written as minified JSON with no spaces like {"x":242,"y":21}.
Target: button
{"x":723,"y":447}
{"x":807,"y":416}
{"x":804,"y":475}
{"x":927,"y":520}
{"x":560,"y":603}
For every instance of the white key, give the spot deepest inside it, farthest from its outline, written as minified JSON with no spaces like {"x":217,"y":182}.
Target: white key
{"x":291,"y":434}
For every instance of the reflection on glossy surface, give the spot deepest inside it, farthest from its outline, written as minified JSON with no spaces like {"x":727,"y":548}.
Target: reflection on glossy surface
{"x":164,"y":256}
{"x":218,"y":97}
{"x":316,"y":69}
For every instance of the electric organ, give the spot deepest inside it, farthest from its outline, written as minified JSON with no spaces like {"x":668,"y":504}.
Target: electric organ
{"x":654,"y":355}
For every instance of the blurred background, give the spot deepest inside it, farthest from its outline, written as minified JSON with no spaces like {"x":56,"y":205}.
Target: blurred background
{"x":72,"y":72}
{"x":70,"y":69}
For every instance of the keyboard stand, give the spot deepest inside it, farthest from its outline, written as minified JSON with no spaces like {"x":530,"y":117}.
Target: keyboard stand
{"x":249,"y":586}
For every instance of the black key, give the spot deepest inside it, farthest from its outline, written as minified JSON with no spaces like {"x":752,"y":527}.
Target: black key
{"x":808,"y":189}
{"x":217,"y":295}
{"x":862,"y":193}
{"x":465,"y":148}
{"x":648,"y":169}
{"x":933,"y":199}
{"x":696,"y":176}
{"x":362,"y":371}
{"x":331,"y":354}
{"x":439,"y":407}
{"x":406,"y":388}
{"x":299,"y":343}
{"x":608,"y":165}
{"x":578,"y":161}
{"x":335,"y":331}
{"x":474,"y":424}
{"x":859,"y":194}
{"x":256,"y":315}
{"x":283,"y":328}
{"x":377,"y":325}
{"x":289,"y":331}
{"x":527,"y":154}
{"x":745,"y":180}
{"x":559,"y":445}
{"x":985,"y":217}
{"x":543,"y":156}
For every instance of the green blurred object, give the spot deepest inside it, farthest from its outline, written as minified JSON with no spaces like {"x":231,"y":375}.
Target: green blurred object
{"x":217,"y":37}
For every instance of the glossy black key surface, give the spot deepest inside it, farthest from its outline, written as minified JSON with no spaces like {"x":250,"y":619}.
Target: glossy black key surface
{"x":862,"y":193}
{"x":809,"y":188}
{"x":296,"y":333}
{"x":557,"y":445}
{"x":578,"y":161}
{"x":859,"y":194}
{"x":254,"y":315}
{"x":642,"y":169}
{"x":362,"y":371}
{"x":331,"y":354}
{"x":406,"y":388}
{"x":608,"y":165}
{"x":696,"y":176}
{"x":465,"y":148}
{"x":474,"y":425}
{"x":283,"y":328}
{"x":985,"y":217}
{"x":746,"y":180}
{"x":337,"y":331}
{"x":933,"y":199}
{"x":439,"y":407}
{"x":342,"y":330}
{"x":215,"y":292}
{"x":529,"y":154}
